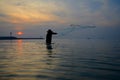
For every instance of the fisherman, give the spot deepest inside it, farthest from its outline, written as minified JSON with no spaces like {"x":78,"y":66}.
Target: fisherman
{"x":49,"y":36}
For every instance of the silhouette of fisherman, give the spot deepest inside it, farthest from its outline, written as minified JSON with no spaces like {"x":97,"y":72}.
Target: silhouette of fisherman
{"x":49,"y":36}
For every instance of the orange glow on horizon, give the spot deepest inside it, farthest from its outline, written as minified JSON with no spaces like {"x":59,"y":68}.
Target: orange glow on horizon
{"x":28,"y":17}
{"x":19,"y":33}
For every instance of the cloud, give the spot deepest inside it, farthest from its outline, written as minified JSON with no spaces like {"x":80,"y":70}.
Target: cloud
{"x":85,"y":12}
{"x":2,"y":15}
{"x":28,"y":11}
{"x":90,"y":12}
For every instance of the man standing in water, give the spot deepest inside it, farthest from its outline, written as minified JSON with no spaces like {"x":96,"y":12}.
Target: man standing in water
{"x":49,"y":36}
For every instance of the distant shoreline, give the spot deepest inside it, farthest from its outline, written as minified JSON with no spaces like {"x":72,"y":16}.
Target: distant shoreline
{"x":15,"y":38}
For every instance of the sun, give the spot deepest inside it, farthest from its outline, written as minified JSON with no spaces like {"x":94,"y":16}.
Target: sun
{"x":19,"y":33}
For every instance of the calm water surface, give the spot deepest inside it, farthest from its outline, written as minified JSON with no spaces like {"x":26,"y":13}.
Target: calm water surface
{"x":83,"y":59}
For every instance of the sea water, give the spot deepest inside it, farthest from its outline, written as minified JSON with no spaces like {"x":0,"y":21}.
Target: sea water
{"x":65,"y":59}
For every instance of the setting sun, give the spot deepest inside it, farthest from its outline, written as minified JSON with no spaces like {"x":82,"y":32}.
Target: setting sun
{"x":19,"y":33}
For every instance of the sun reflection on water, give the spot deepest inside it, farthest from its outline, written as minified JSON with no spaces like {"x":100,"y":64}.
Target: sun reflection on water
{"x":19,"y":47}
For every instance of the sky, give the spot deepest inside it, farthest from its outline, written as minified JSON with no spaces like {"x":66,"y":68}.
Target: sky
{"x":34,"y":17}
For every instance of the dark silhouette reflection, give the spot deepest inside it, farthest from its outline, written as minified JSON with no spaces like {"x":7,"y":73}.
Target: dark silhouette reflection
{"x":50,"y":60}
{"x":49,"y":49}
{"x":49,"y":36}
